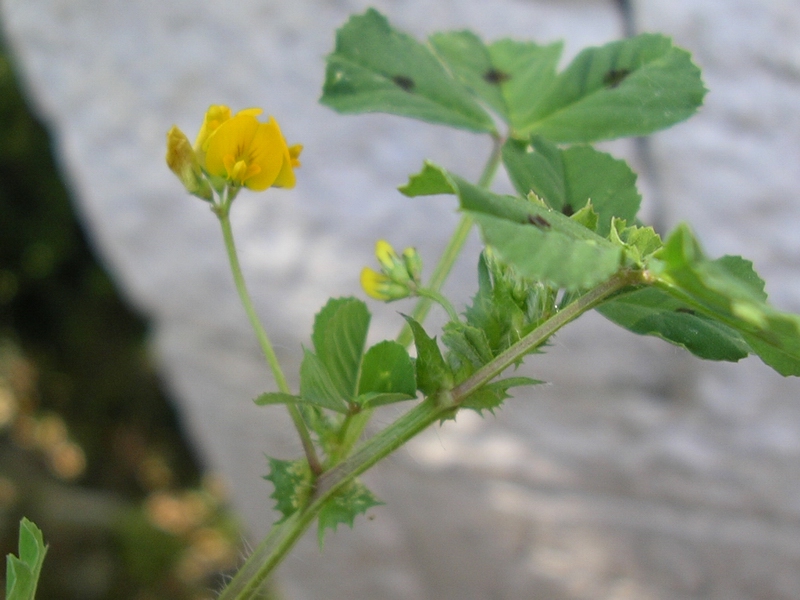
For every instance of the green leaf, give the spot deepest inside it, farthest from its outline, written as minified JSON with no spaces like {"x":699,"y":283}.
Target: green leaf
{"x":651,"y":311}
{"x":277,"y":398}
{"x":492,"y":395}
{"x":387,"y":369}
{"x":316,"y":386}
{"x":536,"y":165}
{"x":22,"y":573}
{"x":541,"y":244}
{"x":505,"y":75}
{"x":631,"y":87}
{"x":730,"y":291}
{"x":639,"y":242}
{"x":470,"y":344}
{"x":339,"y":336}
{"x":293,"y":483}
{"x":557,"y":252}
{"x":567,"y":179}
{"x":354,"y":499}
{"x":587,"y":217}
{"x":432,"y":180}
{"x":375,"y":68}
{"x":433,"y":374}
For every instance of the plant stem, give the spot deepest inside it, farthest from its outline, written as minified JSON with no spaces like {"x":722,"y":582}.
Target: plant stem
{"x":222,"y":212}
{"x":271,"y":551}
{"x":349,"y":434}
{"x":441,"y":300}
{"x":246,"y":584}
{"x":453,"y":249}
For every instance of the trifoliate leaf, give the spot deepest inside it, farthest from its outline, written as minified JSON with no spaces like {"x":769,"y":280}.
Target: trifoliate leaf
{"x":387,"y":369}
{"x":293,"y":485}
{"x":568,"y":179}
{"x":631,"y":87}
{"x":344,"y":507}
{"x":730,"y":291}
{"x":339,"y":336}
{"x":375,"y":68}
{"x":433,"y":374}
{"x":22,"y":573}
{"x":507,"y":74}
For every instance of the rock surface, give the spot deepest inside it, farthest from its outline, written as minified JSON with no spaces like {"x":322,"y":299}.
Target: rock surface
{"x":641,"y":473}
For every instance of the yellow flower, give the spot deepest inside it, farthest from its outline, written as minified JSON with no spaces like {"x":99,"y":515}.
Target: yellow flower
{"x":379,"y":286}
{"x":182,"y":160}
{"x":233,"y":150}
{"x":246,"y":151}
{"x":399,"y":277}
{"x":390,"y":262}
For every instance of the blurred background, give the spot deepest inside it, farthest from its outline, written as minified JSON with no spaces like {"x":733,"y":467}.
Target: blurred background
{"x":639,"y":473}
{"x":90,"y":448}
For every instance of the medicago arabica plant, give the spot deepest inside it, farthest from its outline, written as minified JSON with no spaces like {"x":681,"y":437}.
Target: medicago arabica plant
{"x":568,"y":242}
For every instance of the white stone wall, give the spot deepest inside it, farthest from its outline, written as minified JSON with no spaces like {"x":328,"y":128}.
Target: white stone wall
{"x":639,"y":473}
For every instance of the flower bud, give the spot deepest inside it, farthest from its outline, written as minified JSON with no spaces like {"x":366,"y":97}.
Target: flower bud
{"x":183,"y":161}
{"x":379,"y":286}
{"x":413,"y":264}
{"x":392,"y":265}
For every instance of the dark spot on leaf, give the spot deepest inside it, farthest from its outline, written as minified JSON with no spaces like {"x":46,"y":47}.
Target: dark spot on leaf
{"x":567,"y":210}
{"x":496,"y":77}
{"x":403,"y":82}
{"x":685,"y":310}
{"x":538,"y":221}
{"x":615,"y":76}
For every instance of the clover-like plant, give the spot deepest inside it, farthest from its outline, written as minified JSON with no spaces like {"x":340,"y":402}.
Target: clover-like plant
{"x":569,"y":241}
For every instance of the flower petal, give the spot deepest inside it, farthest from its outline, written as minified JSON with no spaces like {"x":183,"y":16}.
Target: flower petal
{"x":374,"y":283}
{"x":268,"y":151}
{"x":252,"y":112}
{"x":215,"y":116}
{"x":229,"y":143}
{"x":285,"y":178}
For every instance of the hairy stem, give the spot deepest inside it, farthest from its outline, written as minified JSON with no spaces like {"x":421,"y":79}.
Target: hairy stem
{"x":272,"y":550}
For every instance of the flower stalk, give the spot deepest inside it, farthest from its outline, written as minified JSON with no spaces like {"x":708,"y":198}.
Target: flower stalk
{"x":222,"y":212}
